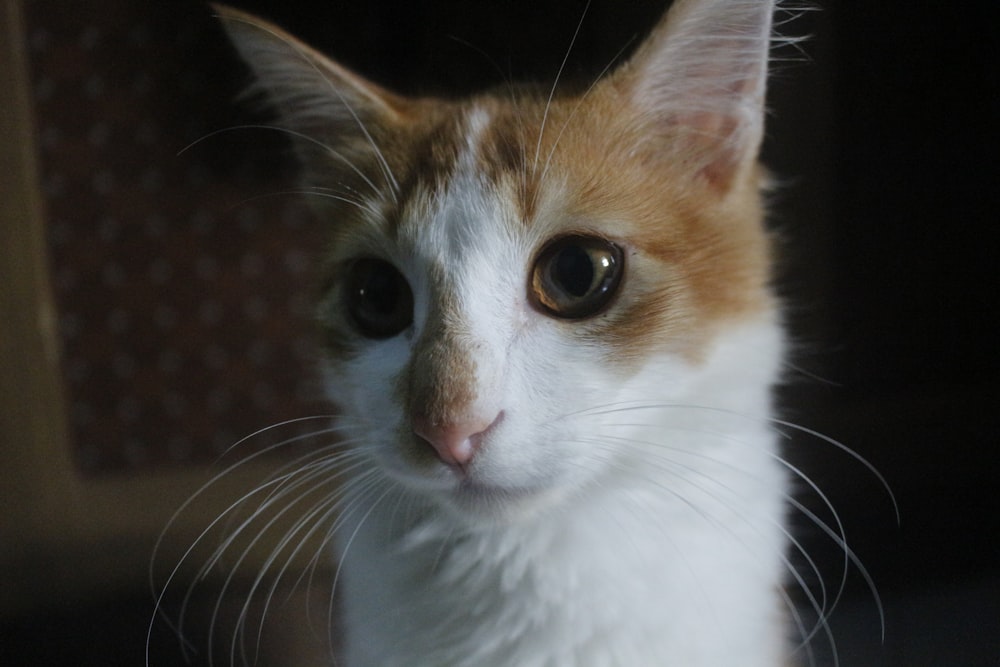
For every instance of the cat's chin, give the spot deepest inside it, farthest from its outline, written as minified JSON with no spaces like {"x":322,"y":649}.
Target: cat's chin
{"x":480,"y":503}
{"x":476,"y":501}
{"x":478,"y":492}
{"x":478,"y":496}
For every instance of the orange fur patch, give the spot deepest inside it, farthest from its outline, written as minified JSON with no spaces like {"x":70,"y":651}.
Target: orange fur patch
{"x":697,"y":252}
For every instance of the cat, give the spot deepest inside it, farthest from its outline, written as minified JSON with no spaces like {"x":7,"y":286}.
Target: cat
{"x":551,"y":334}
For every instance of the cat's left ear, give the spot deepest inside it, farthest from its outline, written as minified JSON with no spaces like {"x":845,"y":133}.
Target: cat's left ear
{"x":326,"y":105}
{"x":699,"y":81}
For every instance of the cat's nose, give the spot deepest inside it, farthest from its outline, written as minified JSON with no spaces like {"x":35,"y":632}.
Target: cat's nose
{"x":455,"y":442}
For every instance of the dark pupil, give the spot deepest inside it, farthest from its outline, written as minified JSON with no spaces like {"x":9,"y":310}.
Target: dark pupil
{"x":378,"y":298}
{"x":379,"y":293}
{"x":573,"y":271}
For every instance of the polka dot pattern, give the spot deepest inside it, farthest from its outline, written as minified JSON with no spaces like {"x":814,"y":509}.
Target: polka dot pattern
{"x":183,"y":295}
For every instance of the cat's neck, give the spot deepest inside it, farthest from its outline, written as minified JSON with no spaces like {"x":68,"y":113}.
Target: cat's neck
{"x":557,"y":590}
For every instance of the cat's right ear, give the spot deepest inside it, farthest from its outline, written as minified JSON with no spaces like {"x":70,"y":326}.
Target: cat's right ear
{"x":700,"y":80}
{"x":320,"y":101}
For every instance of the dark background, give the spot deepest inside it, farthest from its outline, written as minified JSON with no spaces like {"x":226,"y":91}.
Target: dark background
{"x":883,"y":136}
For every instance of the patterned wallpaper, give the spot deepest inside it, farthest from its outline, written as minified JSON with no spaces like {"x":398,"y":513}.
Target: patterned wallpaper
{"x":183,"y":278}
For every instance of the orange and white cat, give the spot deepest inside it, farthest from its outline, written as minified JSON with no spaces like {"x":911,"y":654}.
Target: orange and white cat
{"x":551,"y":336}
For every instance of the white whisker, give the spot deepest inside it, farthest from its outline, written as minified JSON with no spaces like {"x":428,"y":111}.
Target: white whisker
{"x":326,"y":148}
{"x":362,"y":205}
{"x":555,"y":84}
{"x":823,"y":605}
{"x":700,"y":472}
{"x":577,"y":107}
{"x":308,"y":523}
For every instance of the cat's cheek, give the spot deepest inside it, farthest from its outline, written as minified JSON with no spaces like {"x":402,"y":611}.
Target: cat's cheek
{"x":363,"y":385}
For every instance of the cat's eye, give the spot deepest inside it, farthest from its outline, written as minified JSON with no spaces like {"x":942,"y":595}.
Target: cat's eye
{"x":378,"y":298}
{"x":576,"y":276}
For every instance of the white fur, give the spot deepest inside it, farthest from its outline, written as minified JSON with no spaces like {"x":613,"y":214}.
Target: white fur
{"x":651,"y":532}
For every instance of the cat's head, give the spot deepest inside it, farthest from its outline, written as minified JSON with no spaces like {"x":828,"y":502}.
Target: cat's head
{"x":507,"y":269}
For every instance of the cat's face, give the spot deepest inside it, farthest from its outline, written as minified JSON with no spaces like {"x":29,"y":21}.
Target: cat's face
{"x":507,"y":301}
{"x":506,"y":271}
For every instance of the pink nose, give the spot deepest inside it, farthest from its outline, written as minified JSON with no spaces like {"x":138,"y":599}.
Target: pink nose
{"x":456,"y":443}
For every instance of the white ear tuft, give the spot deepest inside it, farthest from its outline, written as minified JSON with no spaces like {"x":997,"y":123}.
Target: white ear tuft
{"x":701,"y":77}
